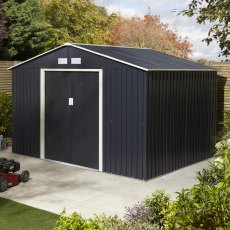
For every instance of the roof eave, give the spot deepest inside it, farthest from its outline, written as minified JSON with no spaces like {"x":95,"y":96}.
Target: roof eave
{"x":49,"y":51}
{"x":181,"y":70}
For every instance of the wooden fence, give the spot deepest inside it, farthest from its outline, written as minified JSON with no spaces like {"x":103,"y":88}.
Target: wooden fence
{"x":223,"y":88}
{"x":6,"y":76}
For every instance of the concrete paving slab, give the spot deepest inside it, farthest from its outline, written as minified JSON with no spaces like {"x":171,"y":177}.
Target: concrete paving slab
{"x":54,"y":186}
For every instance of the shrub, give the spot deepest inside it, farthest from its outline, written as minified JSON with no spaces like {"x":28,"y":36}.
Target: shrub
{"x":115,"y":223}
{"x":151,"y":211}
{"x":210,"y":176}
{"x":202,"y":207}
{"x":5,"y":114}
{"x":158,"y":203}
{"x":76,"y":222}
{"x":207,"y":204}
{"x":139,"y":213}
{"x":224,"y":133}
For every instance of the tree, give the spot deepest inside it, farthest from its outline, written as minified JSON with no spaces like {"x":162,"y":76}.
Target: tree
{"x":76,"y":21}
{"x":149,"y":32}
{"x":218,"y":13}
{"x":202,"y":61}
{"x":2,"y":24}
{"x":26,"y":28}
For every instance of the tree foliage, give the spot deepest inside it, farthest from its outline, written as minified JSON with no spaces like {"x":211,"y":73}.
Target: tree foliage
{"x":2,"y":24}
{"x":149,"y":32}
{"x":26,"y":29}
{"x":202,"y":61}
{"x":76,"y":21}
{"x":218,"y":13}
{"x":34,"y":26}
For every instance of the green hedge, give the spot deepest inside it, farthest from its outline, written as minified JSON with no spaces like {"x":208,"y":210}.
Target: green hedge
{"x":5,"y":114}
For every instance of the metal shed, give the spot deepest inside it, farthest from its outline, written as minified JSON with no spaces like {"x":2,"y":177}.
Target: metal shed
{"x":128,"y":111}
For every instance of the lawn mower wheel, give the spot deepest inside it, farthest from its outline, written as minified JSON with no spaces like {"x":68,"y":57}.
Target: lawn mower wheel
{"x":25,"y":176}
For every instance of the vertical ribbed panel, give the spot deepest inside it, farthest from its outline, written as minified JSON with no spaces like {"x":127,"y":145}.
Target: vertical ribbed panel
{"x":181,"y":119}
{"x":26,"y":112}
{"x":125,"y":97}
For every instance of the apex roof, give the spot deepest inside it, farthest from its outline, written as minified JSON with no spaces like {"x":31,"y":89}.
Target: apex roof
{"x":142,"y":58}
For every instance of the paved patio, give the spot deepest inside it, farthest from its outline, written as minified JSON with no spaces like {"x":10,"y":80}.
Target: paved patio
{"x":54,"y":186}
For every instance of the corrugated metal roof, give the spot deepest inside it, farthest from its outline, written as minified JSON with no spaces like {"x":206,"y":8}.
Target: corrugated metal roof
{"x":145,"y":58}
{"x":142,"y":58}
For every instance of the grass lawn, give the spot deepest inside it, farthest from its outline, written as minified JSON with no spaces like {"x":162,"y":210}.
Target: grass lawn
{"x":16,"y":216}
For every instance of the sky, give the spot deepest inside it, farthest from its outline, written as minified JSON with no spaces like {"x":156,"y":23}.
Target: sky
{"x":185,"y":27}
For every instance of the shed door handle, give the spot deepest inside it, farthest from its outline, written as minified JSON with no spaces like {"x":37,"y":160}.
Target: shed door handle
{"x":70,"y":101}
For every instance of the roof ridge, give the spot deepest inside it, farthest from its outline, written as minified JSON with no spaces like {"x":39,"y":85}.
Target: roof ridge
{"x":115,"y":46}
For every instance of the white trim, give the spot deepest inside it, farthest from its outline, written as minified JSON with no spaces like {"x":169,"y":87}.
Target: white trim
{"x":101,"y":120}
{"x":42,"y":110}
{"x":109,"y":57}
{"x":49,"y":51}
{"x":42,"y":114}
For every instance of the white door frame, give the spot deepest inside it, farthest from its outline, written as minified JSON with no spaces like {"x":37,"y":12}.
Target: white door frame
{"x":42,"y":110}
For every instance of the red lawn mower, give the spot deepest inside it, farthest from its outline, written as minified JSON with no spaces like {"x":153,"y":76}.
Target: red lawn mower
{"x":8,"y":177}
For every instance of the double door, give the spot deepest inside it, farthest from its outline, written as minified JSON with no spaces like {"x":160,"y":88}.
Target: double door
{"x":72,"y":117}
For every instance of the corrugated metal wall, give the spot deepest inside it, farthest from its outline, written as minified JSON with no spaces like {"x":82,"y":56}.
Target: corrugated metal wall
{"x":125,"y":117}
{"x":152,"y":124}
{"x":182,"y":116}
{"x":125,"y":107}
{"x":26,"y":115}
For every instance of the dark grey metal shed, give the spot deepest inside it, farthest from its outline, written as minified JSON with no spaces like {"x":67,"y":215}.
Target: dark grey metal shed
{"x":128,"y":111}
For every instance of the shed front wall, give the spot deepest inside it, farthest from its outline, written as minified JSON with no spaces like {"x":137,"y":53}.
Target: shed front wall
{"x":124,"y":109}
{"x":181,"y":119}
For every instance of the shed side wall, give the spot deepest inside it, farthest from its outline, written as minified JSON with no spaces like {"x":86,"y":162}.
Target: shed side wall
{"x":181,"y":119}
{"x":125,"y":117}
